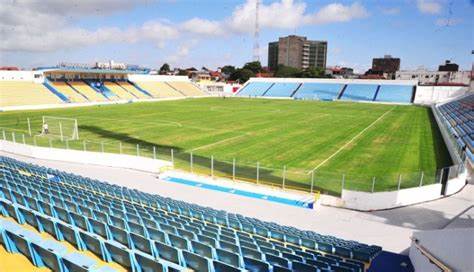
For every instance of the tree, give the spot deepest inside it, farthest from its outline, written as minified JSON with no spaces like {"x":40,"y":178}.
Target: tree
{"x":228,"y":69}
{"x":287,"y":71}
{"x":253,"y":66}
{"x":242,"y":75}
{"x":165,"y":68}
{"x":182,"y":72}
{"x":313,"y":72}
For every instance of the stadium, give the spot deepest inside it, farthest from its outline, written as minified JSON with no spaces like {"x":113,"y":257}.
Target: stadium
{"x":114,"y":167}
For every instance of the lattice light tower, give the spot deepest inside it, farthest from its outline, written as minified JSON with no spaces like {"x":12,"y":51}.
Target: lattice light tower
{"x":256,"y":45}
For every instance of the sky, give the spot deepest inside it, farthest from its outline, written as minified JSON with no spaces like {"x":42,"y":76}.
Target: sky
{"x":214,"y":33}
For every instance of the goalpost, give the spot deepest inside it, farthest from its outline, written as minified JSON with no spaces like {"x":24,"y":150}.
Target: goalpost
{"x":62,"y":127}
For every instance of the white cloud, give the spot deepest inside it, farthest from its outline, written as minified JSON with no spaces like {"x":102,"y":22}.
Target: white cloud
{"x":448,"y":22}
{"x":391,"y":11}
{"x":337,"y":13}
{"x":182,"y":51}
{"x":28,"y":26}
{"x":289,"y":14}
{"x":48,"y":25}
{"x":428,"y":6}
{"x":203,"y":27}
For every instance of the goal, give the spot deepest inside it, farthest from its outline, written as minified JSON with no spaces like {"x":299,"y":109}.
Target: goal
{"x":62,"y":127}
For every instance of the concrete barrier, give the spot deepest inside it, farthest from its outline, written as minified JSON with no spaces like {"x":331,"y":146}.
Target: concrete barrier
{"x":386,"y":200}
{"x":85,"y":157}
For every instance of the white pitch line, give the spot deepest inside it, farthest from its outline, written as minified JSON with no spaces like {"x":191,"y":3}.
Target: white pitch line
{"x":351,"y":140}
{"x":218,"y":142}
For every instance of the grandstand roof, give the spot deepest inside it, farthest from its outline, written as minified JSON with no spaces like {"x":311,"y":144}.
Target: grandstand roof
{"x":93,"y":71}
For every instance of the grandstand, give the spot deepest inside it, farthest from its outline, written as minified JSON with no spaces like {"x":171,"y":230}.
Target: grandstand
{"x":321,"y":91}
{"x":88,"y":91}
{"x":324,"y":89}
{"x":282,"y":90}
{"x":254,"y":89}
{"x":459,"y":118}
{"x":121,"y":92}
{"x":187,"y":88}
{"x":142,"y":232}
{"x":359,"y":92}
{"x":73,"y":95}
{"x":132,"y":89}
{"x":16,"y":93}
{"x":394,"y":93}
{"x":159,"y":89}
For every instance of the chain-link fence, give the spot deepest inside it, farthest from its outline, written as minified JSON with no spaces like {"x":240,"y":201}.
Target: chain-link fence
{"x":326,"y":182}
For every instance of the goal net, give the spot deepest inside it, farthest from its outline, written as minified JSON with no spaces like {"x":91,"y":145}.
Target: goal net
{"x":61,"y":127}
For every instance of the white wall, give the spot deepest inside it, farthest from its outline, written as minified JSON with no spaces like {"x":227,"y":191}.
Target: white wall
{"x":160,"y":78}
{"x":456,"y":184}
{"x":384,"y":200}
{"x":22,"y":76}
{"x":436,"y":94}
{"x":85,"y":157}
{"x":453,"y":247}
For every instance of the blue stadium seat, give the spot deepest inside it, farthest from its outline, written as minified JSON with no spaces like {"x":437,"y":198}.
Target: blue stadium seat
{"x":156,"y":235}
{"x":141,"y":243}
{"x":94,"y":245}
{"x":228,"y":257}
{"x":251,"y":253}
{"x":148,"y":264}
{"x":178,"y":242}
{"x":202,"y":249}
{"x":122,"y":256}
{"x":222,"y":267}
{"x":301,"y":267}
{"x":275,"y":260}
{"x":109,"y":227}
{"x":168,"y":253}
{"x":120,"y":236}
{"x":196,"y":262}
{"x":46,"y":257}
{"x":67,"y":233}
{"x":253,"y":265}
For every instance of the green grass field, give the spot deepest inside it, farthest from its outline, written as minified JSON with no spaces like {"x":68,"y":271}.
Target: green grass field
{"x":356,"y":140}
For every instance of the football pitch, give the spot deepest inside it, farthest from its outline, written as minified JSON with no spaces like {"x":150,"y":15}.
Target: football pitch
{"x":294,"y":143}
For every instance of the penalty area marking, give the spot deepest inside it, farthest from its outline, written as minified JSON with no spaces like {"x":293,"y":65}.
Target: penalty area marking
{"x":352,"y":140}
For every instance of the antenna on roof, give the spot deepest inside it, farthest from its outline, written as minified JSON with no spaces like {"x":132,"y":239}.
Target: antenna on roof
{"x":256,"y":45}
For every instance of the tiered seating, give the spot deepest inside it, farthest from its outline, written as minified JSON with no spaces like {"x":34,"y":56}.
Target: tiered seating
{"x":187,"y":88}
{"x":395,"y":93}
{"x":321,"y":91}
{"x":362,"y":92}
{"x":87,"y":90}
{"x":144,"y":232}
{"x":71,"y":94}
{"x":18,"y":93}
{"x":119,"y":91}
{"x":131,"y":89}
{"x":43,"y":249}
{"x":255,"y":89}
{"x":159,"y":89}
{"x":459,"y":117}
{"x":282,"y":89}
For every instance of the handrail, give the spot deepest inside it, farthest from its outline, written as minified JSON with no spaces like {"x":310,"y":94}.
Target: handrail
{"x":430,"y":256}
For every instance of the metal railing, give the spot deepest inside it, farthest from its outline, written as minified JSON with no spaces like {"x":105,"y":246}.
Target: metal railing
{"x":285,"y":176}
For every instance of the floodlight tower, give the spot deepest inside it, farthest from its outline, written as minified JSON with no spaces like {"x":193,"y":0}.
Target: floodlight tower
{"x":256,"y":45}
